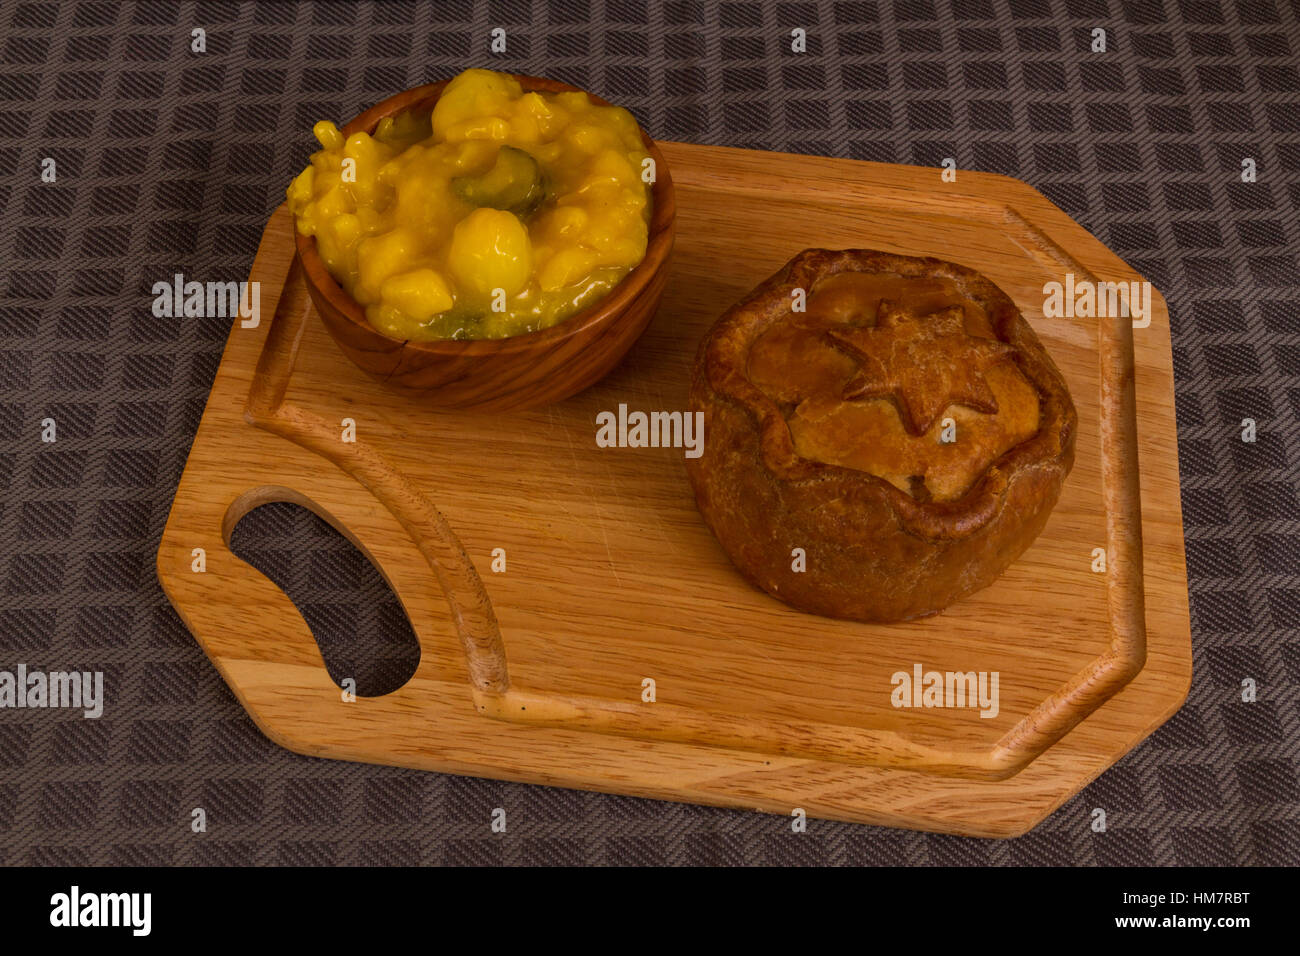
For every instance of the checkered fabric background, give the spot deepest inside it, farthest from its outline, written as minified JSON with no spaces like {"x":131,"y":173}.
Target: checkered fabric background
{"x":171,"y":161}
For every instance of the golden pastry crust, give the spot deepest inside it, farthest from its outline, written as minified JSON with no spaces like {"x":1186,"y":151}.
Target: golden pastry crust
{"x":888,"y":348}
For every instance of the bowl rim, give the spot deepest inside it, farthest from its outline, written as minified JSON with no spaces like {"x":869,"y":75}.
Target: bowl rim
{"x":611,"y":306}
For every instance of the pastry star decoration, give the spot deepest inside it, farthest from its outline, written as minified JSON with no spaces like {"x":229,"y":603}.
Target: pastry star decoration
{"x":925,"y":362}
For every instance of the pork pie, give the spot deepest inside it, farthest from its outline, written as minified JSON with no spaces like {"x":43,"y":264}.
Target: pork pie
{"x":895,"y":418}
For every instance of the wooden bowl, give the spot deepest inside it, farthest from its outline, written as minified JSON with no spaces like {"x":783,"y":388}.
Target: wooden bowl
{"x":522,"y":371}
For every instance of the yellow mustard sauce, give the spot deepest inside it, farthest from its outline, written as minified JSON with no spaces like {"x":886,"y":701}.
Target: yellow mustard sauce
{"x":499,"y":213}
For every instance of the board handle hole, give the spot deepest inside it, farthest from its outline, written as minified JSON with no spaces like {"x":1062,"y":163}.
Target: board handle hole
{"x":359,"y":624}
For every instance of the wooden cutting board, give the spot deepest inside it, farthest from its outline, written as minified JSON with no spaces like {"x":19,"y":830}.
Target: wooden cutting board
{"x":539,"y":673}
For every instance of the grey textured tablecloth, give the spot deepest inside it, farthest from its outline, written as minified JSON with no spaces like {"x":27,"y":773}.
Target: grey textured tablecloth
{"x":171,"y":161}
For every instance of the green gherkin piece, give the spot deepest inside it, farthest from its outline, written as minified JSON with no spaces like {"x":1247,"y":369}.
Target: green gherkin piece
{"x":515,"y":183}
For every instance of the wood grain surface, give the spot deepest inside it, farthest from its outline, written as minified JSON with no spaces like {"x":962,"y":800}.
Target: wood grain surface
{"x":536,"y":674}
